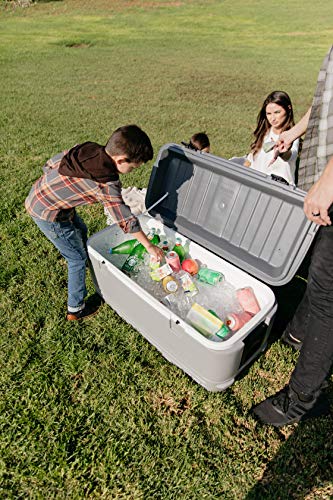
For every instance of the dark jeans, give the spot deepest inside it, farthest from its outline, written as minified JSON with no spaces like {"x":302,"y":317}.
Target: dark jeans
{"x":313,"y":320}
{"x":70,"y":238}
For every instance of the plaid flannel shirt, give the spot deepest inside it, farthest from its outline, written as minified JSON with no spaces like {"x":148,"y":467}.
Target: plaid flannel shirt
{"x":54,"y":192}
{"x":318,"y":141}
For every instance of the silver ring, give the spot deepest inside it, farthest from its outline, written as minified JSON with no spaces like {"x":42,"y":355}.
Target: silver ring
{"x":316,"y":215}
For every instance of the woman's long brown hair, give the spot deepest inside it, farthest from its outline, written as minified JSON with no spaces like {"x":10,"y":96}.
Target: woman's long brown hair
{"x":282,"y":99}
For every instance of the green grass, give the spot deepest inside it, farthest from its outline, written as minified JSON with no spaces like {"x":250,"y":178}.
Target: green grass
{"x":93,"y":410}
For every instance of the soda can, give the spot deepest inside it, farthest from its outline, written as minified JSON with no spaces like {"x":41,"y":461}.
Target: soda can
{"x":248,"y":300}
{"x":236,"y":321}
{"x":209,"y":276}
{"x":172,"y":258}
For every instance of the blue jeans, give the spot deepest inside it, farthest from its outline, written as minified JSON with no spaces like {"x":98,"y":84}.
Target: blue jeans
{"x":313,"y":320}
{"x":70,"y":238}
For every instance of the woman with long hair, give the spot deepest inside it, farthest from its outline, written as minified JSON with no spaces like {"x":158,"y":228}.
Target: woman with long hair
{"x":276,"y":116}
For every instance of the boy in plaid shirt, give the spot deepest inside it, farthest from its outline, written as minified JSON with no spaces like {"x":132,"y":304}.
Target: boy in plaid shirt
{"x":86,"y":174}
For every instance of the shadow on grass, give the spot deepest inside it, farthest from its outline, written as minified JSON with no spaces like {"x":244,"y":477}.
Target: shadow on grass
{"x":302,"y":466}
{"x":94,"y":300}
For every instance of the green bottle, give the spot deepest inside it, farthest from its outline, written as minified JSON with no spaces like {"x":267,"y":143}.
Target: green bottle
{"x":155,"y":239}
{"x":153,"y":236}
{"x":134,"y":258}
{"x":125,"y":247}
{"x":128,"y":246}
{"x":137,"y":254}
{"x":138,"y":251}
{"x":179,"y":249}
{"x":130,"y":263}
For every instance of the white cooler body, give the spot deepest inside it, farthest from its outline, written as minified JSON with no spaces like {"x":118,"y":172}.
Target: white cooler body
{"x":213,"y":365}
{"x":204,"y":192}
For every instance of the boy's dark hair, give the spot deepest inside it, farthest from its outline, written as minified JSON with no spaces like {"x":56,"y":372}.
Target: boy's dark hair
{"x":200,"y":141}
{"x":131,"y":141}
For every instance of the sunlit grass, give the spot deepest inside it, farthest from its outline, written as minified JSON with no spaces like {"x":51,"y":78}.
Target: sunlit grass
{"x":93,"y":410}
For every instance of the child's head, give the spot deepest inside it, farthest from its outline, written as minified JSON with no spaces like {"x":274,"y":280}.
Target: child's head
{"x":276,"y":112}
{"x":200,"y":142}
{"x":129,"y":147}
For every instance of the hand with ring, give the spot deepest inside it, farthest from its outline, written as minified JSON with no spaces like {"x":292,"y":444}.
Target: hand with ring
{"x":319,"y":198}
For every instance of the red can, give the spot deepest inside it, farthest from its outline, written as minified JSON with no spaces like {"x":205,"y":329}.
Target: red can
{"x":236,"y":321}
{"x":248,"y":300}
{"x":172,"y":258}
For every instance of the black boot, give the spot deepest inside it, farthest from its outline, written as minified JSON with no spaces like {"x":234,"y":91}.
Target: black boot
{"x":287,"y":407}
{"x":292,"y":341}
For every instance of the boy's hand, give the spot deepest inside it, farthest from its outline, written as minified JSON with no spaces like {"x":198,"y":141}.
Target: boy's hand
{"x":152,"y":249}
{"x":156,"y":252}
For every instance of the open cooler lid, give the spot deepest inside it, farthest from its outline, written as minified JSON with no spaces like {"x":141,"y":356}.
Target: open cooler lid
{"x":240,"y":214}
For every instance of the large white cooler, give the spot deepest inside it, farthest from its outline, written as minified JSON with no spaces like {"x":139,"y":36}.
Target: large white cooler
{"x":235,"y":220}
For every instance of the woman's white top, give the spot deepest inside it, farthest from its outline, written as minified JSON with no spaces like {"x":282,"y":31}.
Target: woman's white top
{"x":261,"y":160}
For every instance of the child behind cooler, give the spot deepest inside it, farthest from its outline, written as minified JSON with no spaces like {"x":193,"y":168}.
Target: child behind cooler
{"x":199,"y":142}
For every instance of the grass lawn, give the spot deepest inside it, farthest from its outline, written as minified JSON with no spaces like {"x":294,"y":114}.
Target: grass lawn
{"x":92,"y":410}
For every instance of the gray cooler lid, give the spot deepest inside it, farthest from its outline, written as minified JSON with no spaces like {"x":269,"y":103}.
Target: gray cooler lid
{"x":240,"y":214}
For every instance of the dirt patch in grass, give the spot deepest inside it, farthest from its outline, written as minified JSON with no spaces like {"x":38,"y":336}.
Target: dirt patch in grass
{"x":165,"y":403}
{"x":78,"y":45}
